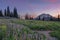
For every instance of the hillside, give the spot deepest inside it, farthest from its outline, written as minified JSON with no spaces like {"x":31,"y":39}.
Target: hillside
{"x":15,"y":29}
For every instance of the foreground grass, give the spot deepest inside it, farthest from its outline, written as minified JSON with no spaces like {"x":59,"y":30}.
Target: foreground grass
{"x":8,"y":33}
{"x":42,"y":25}
{"x":15,"y":32}
{"x":3,"y":29}
{"x":55,"y":34}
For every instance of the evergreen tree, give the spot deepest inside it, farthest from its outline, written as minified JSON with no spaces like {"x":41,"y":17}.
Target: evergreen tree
{"x":38,"y":18}
{"x":1,"y":14}
{"x":26,"y":16}
{"x":43,"y":19}
{"x":58,"y":17}
{"x":5,"y":14}
{"x":51,"y":18}
{"x":31,"y":18}
{"x":15,"y":13}
{"x":8,"y":11}
{"x":11,"y":14}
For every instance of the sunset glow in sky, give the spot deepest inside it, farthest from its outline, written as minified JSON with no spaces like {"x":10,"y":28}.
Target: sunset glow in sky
{"x":34,"y":7}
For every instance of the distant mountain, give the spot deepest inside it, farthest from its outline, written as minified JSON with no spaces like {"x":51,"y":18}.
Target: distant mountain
{"x":45,"y":17}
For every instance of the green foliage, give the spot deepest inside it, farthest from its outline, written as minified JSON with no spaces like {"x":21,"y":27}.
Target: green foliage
{"x":31,"y":24}
{"x":55,"y":34}
{"x":40,"y":25}
{"x":2,"y":31}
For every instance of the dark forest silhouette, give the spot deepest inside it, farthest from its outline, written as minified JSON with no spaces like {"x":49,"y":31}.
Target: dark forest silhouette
{"x":14,"y":14}
{"x":8,"y":13}
{"x":28,"y":17}
{"x":39,"y":17}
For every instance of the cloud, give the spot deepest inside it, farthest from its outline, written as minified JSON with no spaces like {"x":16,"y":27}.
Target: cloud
{"x":52,"y":1}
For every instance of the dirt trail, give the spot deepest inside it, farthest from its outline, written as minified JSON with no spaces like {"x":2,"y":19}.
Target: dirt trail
{"x":46,"y":33}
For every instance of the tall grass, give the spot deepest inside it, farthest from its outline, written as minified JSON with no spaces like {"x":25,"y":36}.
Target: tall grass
{"x":40,"y":25}
{"x":9,"y":32}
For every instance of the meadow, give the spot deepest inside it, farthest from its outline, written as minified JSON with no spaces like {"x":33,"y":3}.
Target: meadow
{"x":39,"y":25}
{"x":15,"y":29}
{"x":53,"y":26}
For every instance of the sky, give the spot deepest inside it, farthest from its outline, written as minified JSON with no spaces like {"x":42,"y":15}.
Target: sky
{"x":33,"y":7}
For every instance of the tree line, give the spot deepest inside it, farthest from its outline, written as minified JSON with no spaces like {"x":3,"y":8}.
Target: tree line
{"x":28,"y":17}
{"x":8,"y":13}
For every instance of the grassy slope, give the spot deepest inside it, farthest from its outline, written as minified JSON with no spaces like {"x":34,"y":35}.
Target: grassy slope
{"x":42,"y":25}
{"x":39,"y":25}
{"x":16,"y":31}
